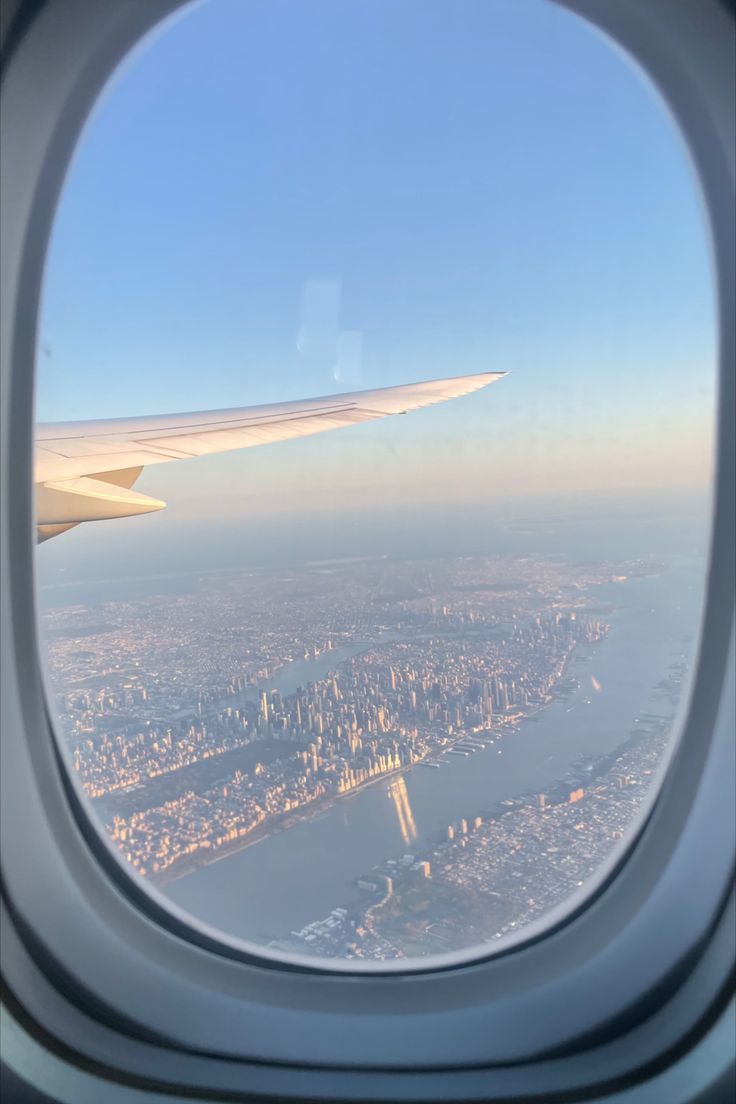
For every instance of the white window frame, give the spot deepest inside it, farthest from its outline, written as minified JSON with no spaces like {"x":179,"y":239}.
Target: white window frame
{"x":135,"y":988}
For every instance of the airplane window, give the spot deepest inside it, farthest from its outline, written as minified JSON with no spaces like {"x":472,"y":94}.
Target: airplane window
{"x":405,"y":689}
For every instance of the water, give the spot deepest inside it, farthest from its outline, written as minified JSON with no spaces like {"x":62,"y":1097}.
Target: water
{"x":95,"y":592}
{"x":298,"y":875}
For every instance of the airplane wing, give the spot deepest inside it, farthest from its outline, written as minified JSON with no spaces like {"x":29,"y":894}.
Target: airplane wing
{"x":84,"y":471}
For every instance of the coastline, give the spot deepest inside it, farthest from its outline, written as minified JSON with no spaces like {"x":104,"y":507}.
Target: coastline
{"x":278,"y":825}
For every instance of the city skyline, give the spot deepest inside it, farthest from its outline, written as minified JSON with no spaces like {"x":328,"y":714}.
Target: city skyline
{"x":432,"y":752}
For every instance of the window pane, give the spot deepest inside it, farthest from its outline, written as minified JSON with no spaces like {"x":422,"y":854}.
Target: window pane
{"x":402,"y":689}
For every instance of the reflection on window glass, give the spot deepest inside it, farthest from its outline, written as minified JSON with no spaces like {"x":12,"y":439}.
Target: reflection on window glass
{"x":397,"y":690}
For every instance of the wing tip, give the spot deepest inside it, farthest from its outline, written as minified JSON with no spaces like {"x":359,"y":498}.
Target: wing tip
{"x":474,"y":382}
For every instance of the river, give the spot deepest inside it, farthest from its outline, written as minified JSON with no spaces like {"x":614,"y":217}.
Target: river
{"x":297,"y":875}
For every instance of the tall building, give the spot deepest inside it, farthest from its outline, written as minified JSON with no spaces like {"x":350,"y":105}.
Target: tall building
{"x":486,"y":701}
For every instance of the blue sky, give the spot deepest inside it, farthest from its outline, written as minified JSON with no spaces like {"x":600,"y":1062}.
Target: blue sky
{"x":275,"y":200}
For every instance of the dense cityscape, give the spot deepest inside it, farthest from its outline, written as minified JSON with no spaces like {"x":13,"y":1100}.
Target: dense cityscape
{"x":200,"y":722}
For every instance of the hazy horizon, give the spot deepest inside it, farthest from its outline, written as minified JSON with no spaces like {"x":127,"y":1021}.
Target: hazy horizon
{"x":648,"y":523}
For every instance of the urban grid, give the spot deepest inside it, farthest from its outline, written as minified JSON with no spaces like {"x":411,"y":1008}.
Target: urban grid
{"x":199,"y":722}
